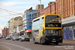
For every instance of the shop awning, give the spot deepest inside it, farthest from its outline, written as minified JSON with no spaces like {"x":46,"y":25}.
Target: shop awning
{"x":28,"y":30}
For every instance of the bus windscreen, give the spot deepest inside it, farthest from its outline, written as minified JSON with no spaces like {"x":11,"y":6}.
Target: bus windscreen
{"x":53,"y":32}
{"x":52,"y":21}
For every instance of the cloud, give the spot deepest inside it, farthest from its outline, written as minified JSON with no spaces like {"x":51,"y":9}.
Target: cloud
{"x":17,"y":9}
{"x":1,"y":26}
{"x":14,"y":3}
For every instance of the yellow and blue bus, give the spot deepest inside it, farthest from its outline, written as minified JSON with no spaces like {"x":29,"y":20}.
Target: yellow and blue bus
{"x":47,"y":29}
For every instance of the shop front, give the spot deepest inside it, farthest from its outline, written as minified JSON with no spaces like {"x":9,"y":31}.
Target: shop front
{"x":21,"y":33}
{"x":28,"y":32}
{"x":68,"y":33}
{"x":69,"y":28}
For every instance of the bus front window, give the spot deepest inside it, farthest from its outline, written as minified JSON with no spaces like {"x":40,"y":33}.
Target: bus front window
{"x":53,"y":32}
{"x":52,"y":21}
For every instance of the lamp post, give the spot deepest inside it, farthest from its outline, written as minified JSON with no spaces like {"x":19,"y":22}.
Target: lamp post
{"x":40,"y":7}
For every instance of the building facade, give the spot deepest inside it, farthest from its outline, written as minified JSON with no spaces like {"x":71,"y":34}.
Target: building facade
{"x":20,"y":30}
{"x":68,"y":20}
{"x":50,"y":9}
{"x":13,"y":23}
{"x":5,"y":32}
{"x":24,"y":20}
{"x":30,"y":15}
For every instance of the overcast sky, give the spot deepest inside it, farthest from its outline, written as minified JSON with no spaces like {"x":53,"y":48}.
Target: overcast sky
{"x":10,"y":7}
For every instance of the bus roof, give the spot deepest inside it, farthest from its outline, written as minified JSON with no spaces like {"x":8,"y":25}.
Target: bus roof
{"x":44,"y":15}
{"x":38,"y":17}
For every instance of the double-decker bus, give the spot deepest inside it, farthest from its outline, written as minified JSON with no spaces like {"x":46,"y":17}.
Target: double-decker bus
{"x":47,"y":29}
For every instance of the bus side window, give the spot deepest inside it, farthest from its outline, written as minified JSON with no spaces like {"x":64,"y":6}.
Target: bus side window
{"x":36,"y":32}
{"x":42,"y":17}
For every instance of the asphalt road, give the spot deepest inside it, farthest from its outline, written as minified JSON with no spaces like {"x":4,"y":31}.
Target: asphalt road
{"x":3,"y":47}
{"x":17,"y":45}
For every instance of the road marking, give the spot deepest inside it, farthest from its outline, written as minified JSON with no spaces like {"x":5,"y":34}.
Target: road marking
{"x":16,"y":46}
{"x":6,"y":47}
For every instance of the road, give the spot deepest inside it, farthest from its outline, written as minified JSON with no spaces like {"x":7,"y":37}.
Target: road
{"x":17,"y":45}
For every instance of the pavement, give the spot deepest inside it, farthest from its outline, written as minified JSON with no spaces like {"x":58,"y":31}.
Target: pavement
{"x":17,"y":45}
{"x":3,"y":47}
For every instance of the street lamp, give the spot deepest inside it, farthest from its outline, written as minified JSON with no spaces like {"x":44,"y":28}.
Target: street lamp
{"x":40,"y":7}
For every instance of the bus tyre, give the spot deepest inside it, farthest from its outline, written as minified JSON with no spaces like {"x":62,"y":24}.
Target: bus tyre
{"x":56,"y":43}
{"x":41,"y":41}
{"x":34,"y":41}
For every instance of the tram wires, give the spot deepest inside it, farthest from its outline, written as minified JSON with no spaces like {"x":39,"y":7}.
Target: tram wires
{"x":10,"y":12}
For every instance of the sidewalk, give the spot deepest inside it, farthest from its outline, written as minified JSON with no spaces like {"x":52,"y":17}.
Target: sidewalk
{"x":3,"y":48}
{"x":69,"y":41}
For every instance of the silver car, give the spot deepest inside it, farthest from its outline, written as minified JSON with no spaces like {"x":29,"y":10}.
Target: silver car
{"x":8,"y":38}
{"x":15,"y":38}
{"x":24,"y":38}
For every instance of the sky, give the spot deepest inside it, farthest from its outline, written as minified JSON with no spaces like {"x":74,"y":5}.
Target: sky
{"x":11,"y":8}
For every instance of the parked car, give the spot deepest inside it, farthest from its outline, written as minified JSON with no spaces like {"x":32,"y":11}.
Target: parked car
{"x":11,"y":37}
{"x":15,"y":38}
{"x":8,"y":38}
{"x":24,"y":38}
{"x":0,"y":37}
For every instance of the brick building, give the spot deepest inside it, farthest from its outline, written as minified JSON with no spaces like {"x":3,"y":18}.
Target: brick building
{"x":5,"y":32}
{"x":68,"y":21}
{"x":65,"y":8}
{"x":59,"y":7}
{"x":50,"y":9}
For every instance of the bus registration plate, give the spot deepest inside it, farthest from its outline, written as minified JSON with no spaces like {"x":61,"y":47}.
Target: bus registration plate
{"x":53,"y":41}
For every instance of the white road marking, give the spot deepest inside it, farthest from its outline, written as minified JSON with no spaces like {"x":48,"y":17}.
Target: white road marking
{"x":6,"y":47}
{"x":16,"y":46}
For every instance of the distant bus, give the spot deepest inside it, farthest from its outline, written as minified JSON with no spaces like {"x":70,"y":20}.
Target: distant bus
{"x":47,"y":29}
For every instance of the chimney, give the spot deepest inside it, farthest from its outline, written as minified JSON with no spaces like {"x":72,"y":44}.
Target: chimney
{"x":50,"y":3}
{"x":38,"y":7}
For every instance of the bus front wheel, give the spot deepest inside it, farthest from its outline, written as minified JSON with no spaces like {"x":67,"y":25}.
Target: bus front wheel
{"x":42,"y":41}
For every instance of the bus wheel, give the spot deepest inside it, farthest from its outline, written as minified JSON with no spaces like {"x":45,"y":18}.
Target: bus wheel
{"x":41,"y":42}
{"x":56,"y":43}
{"x":34,"y":41}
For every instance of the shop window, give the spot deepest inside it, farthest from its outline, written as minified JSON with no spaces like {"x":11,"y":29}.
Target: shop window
{"x":68,"y":33}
